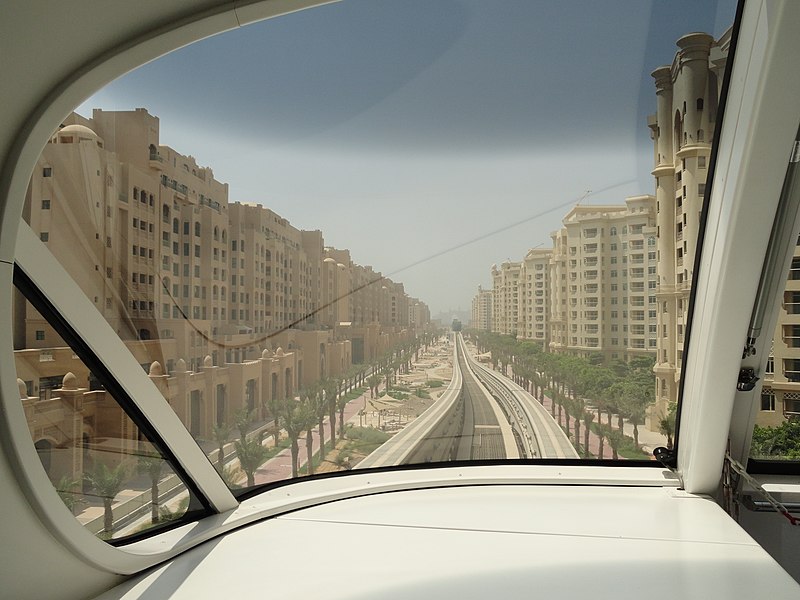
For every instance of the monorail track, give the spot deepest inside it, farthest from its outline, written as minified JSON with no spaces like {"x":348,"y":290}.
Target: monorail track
{"x":482,"y":415}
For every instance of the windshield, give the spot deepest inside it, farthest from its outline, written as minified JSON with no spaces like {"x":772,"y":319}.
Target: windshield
{"x":384,"y":233}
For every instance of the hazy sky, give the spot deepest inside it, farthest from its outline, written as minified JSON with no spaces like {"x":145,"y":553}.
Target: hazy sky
{"x":405,"y":128}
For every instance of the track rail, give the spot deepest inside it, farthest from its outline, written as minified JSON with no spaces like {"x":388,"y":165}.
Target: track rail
{"x":539,"y":434}
{"x":480,"y":415}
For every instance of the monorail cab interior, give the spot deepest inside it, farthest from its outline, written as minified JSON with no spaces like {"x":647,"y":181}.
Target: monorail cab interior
{"x":711,"y":514}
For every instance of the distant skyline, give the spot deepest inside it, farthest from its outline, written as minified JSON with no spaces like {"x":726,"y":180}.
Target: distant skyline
{"x":431,"y":138}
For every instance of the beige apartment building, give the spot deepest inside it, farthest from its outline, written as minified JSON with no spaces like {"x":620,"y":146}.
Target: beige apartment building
{"x":620,"y":277}
{"x":593,"y":291}
{"x":780,"y":394}
{"x":224,"y":304}
{"x":481,"y":316}
{"x":418,"y":313}
{"x":682,"y":130}
{"x":603,"y":275}
{"x":534,"y":296}
{"x":506,"y":282}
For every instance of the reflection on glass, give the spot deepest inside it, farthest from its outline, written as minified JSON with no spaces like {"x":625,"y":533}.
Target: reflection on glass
{"x":104,"y":469}
{"x":776,"y":435}
{"x":285,"y":356}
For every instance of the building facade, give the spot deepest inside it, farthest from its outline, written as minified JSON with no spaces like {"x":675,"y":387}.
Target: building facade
{"x":225,"y":304}
{"x":534,"y":296}
{"x":682,"y":130}
{"x":481,"y":317}
{"x":604,"y":300}
{"x":506,"y":288}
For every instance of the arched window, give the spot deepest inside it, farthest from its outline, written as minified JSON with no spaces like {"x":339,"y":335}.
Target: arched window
{"x":216,"y":233}
{"x":165,"y":213}
{"x":651,"y":241}
{"x":224,"y":237}
{"x":268,"y":256}
{"x":613,"y":231}
{"x":176,"y":226}
{"x":624,"y":230}
{"x":699,"y":104}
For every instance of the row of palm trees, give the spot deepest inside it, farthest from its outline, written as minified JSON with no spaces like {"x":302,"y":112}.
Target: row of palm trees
{"x":582,"y":389}
{"x":300,"y":415}
{"x":296,"y":416}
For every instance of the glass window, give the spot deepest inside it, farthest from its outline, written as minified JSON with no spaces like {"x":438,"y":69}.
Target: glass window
{"x":104,"y":467}
{"x":322,"y":353}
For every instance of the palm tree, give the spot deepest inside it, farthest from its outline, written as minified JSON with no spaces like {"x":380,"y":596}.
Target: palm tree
{"x":251,"y":455}
{"x":294,"y":424}
{"x":67,"y":491}
{"x":615,"y":438}
{"x":320,"y":410}
{"x":221,"y":434}
{"x":151,"y":465}
{"x":242,"y":419}
{"x":666,"y":424}
{"x":106,"y":484}
{"x":588,"y":418}
{"x":341,"y":404}
{"x":330,"y":387}
{"x":308,"y":417}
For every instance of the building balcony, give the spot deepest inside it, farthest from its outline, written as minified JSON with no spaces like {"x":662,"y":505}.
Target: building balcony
{"x":156,"y":161}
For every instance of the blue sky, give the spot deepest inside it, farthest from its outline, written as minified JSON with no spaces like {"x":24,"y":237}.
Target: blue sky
{"x":404,"y":128}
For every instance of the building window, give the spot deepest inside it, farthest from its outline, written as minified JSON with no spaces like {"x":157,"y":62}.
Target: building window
{"x":701,"y":189}
{"x":768,"y":400}
{"x":40,"y":335}
{"x":47,"y":172}
{"x":701,"y":162}
{"x":45,"y":204}
{"x":44,"y":236}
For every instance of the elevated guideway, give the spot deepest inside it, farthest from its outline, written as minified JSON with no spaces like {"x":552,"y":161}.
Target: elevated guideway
{"x":432,"y":425}
{"x":539,"y":435}
{"x":481,"y":415}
